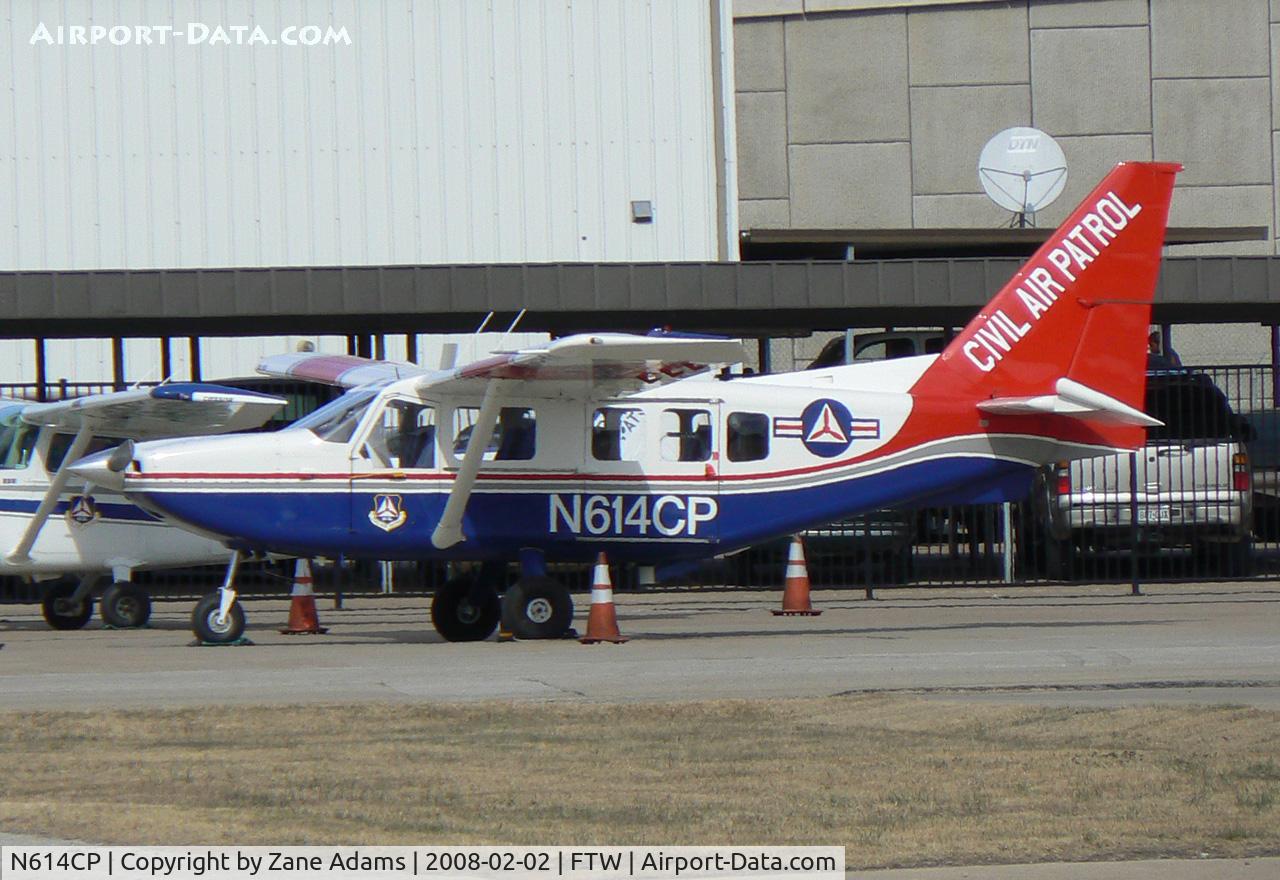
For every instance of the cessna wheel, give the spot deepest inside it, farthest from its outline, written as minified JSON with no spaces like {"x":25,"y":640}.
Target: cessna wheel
{"x":464,"y":612}
{"x":205,"y":624}
{"x":537,"y":608}
{"x":63,"y":612}
{"x":125,"y":605}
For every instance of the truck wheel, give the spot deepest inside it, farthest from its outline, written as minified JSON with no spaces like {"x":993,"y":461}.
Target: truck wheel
{"x":60,"y":611}
{"x":1061,"y":559}
{"x":461,"y":612}
{"x":1236,"y":558}
{"x":125,"y":605}
{"x":537,"y":608}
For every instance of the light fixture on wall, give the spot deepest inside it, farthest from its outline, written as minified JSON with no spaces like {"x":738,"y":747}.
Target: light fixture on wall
{"x":642,"y":212}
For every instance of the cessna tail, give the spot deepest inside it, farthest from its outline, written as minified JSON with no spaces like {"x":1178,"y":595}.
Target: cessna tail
{"x":628,"y":444}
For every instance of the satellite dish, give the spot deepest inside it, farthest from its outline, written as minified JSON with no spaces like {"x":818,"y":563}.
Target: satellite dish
{"x":1022,"y":170}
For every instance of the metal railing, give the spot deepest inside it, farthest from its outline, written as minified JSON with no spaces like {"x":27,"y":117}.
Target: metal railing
{"x":1200,"y":501}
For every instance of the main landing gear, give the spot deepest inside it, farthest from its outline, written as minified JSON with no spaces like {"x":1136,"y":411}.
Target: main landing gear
{"x":68,"y":604}
{"x":125,"y":605}
{"x":467,"y":608}
{"x":218,"y":618}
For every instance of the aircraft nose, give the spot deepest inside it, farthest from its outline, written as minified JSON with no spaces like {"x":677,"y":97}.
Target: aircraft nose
{"x":105,"y":469}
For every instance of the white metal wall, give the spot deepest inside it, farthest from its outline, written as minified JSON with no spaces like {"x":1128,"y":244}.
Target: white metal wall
{"x":448,"y":131}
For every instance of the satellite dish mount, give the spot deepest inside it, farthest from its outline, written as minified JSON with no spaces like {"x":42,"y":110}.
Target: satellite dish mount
{"x":1022,"y":170}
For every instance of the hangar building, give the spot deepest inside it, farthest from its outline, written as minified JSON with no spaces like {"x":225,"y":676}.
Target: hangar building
{"x":599,"y":162}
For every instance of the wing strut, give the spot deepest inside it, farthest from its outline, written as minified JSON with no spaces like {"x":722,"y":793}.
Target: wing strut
{"x":449,"y":530}
{"x":22,"y":552}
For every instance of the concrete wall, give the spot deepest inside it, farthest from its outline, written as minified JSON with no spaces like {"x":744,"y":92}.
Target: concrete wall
{"x":862,"y":117}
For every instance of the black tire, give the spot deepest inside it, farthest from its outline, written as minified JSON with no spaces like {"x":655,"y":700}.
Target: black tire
{"x":1235,"y":559}
{"x":60,"y":612}
{"x":204,"y":621}
{"x":537,"y":608}
{"x":125,"y":605}
{"x":463,"y":612}
{"x":1062,"y":559}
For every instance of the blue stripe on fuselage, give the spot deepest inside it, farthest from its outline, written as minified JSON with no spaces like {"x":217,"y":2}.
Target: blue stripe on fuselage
{"x":499,"y":524}
{"x":118,"y":511}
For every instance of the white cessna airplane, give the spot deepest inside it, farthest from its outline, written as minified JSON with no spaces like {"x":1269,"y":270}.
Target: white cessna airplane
{"x":626,"y":444}
{"x":53,"y":525}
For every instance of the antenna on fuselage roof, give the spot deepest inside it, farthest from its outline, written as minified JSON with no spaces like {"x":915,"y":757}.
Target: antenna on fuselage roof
{"x":509,"y":329}
{"x":483,"y":324}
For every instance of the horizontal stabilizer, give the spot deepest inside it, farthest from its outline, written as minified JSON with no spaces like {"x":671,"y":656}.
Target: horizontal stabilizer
{"x":1074,"y":401}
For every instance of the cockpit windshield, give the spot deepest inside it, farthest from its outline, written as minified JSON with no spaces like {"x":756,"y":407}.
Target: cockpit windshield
{"x":336,"y":421}
{"x":17,"y":438}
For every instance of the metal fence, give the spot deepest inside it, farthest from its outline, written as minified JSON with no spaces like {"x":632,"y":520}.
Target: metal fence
{"x":1200,"y":501}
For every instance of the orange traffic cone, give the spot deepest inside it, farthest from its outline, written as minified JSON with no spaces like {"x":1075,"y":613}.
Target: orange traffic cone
{"x":795,"y":596}
{"x":303,"y":619}
{"x":602,"y":622}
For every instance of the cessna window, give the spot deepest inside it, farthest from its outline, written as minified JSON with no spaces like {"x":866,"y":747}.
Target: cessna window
{"x":17,"y":440}
{"x":748,"y":436}
{"x":514,"y":437}
{"x":336,"y":421}
{"x":60,"y":443}
{"x":404,"y":436}
{"x":617,"y":434}
{"x":686,"y":435}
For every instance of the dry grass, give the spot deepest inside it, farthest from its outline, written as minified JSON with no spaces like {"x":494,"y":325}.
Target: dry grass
{"x":897,"y":781}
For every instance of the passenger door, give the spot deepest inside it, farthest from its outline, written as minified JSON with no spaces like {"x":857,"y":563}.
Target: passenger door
{"x":392,"y":466}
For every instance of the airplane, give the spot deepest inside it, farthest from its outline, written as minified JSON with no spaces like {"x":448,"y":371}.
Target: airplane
{"x":51,"y":527}
{"x":631,"y":445}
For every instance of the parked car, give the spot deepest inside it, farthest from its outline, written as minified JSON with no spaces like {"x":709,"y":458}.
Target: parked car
{"x":1194,"y":486}
{"x":875,"y":548}
{"x":1264,"y":459}
{"x":881,"y":346}
{"x":304,"y":396}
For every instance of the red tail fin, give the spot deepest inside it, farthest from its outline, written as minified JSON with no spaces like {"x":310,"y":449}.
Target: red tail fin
{"x":1078,"y":310}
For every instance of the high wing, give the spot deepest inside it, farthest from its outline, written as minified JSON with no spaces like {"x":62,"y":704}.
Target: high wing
{"x":597,"y":357}
{"x":606,"y":357}
{"x":177,"y":410}
{"x":337,"y":369}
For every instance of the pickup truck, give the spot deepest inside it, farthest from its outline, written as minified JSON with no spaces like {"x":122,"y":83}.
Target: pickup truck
{"x":1194,"y":486}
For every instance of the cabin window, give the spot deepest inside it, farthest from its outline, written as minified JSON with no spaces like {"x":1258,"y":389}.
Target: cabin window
{"x":617,"y":434}
{"x":17,"y":440}
{"x":61,"y":444}
{"x":748,"y":436}
{"x":686,"y":435}
{"x":515,"y":436}
{"x":404,"y":436}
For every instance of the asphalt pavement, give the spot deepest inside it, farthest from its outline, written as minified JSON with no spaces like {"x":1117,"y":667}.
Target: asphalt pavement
{"x":1081,"y":645}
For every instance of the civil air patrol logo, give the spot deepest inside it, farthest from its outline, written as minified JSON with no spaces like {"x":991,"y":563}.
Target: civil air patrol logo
{"x":827,"y":428}
{"x":82,"y":510}
{"x":387,"y":514}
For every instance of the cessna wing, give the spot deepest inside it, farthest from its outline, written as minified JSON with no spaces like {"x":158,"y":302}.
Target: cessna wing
{"x":344,"y":370}
{"x":177,"y":410}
